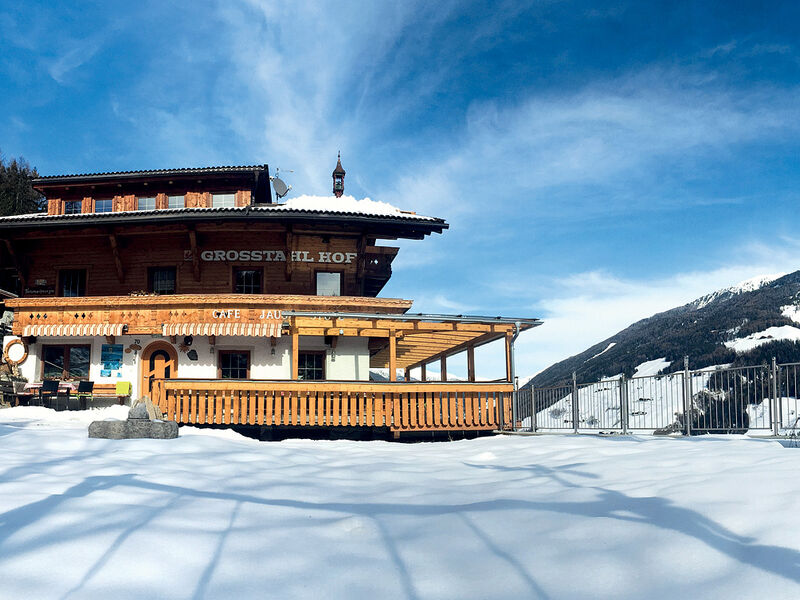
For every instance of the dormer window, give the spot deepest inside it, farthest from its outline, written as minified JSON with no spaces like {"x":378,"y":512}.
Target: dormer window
{"x":103,"y":206}
{"x":224,"y":200}
{"x":72,"y":207}
{"x":146,"y":204}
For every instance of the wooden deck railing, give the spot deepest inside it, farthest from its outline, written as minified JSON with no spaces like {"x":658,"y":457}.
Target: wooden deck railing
{"x":397,"y":406}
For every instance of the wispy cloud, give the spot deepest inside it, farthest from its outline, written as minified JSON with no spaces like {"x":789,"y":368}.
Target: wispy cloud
{"x":73,"y":54}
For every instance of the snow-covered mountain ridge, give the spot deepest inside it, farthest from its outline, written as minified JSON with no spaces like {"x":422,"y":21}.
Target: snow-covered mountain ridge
{"x":747,"y":323}
{"x":748,"y":285}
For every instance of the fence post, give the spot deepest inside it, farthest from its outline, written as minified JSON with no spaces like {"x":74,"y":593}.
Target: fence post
{"x":687,"y":396}
{"x":533,"y":408}
{"x":575,"y":412}
{"x":623,"y":403}
{"x":776,"y":401}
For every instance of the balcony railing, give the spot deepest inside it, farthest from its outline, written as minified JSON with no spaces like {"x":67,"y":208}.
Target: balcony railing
{"x":397,"y":406}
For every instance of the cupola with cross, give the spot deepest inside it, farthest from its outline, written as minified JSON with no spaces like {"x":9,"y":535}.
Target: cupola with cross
{"x":338,"y":178}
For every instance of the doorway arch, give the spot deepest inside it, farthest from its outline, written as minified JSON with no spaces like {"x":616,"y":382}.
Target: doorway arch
{"x":159,"y":361}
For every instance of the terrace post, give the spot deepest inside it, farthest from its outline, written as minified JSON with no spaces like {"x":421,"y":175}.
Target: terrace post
{"x":295,"y":353}
{"x":443,"y":368}
{"x":392,"y":355}
{"x":423,"y":375}
{"x":509,"y":360}
{"x":471,"y":363}
{"x":533,"y":408}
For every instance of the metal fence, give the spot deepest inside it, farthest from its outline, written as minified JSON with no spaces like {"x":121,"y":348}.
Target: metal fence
{"x":713,"y":400}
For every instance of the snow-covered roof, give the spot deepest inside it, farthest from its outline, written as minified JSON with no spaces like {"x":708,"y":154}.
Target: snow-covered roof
{"x":301,"y":206}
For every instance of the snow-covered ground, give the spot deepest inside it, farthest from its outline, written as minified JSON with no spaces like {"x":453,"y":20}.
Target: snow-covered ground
{"x":216,"y":515}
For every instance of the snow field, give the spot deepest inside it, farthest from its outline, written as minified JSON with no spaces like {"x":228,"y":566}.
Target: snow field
{"x":216,"y":515}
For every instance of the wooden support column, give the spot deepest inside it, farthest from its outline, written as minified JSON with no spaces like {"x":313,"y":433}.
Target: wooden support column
{"x":406,"y":374}
{"x":443,"y":369}
{"x":471,"y":363}
{"x":112,"y":239}
{"x":295,"y":353}
{"x":195,"y":254}
{"x":509,"y":335}
{"x":423,"y":372}
{"x":392,"y":355}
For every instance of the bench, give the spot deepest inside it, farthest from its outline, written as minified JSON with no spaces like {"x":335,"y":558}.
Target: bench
{"x":12,"y":391}
{"x":109,"y":393}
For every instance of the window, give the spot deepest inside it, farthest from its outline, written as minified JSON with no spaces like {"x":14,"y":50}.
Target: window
{"x":247,"y":281}
{"x":59,"y":362}
{"x":311,"y":366}
{"x":329,"y":284}
{"x":233,"y":364}
{"x":176,"y":202}
{"x":103,"y":206}
{"x":73,"y":207}
{"x":146,"y":204}
{"x":72,"y":282}
{"x":223,"y":200}
{"x":161,"y":280}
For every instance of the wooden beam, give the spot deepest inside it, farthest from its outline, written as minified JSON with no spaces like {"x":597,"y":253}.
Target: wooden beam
{"x":423,"y":372}
{"x":195,"y":253}
{"x":295,"y":353}
{"x":443,"y":367}
{"x":112,"y":239}
{"x":471,"y":363}
{"x":392,"y":357}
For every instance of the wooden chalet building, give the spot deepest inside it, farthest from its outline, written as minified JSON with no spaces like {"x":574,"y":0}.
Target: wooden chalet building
{"x":226,"y":307}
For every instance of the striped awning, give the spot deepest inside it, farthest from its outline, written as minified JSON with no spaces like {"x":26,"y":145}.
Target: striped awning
{"x":265,"y":329}
{"x":73,"y":329}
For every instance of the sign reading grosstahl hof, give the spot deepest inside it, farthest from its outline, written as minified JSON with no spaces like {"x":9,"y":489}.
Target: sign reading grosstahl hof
{"x":274,"y":256}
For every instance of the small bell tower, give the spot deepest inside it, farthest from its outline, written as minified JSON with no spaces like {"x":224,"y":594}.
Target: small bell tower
{"x":338,"y":178}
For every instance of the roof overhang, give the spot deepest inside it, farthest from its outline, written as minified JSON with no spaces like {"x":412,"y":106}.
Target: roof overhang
{"x":419,"y":338}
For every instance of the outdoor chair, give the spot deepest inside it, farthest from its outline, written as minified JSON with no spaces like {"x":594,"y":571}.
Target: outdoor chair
{"x":123,"y":391}
{"x":84,"y":393}
{"x":48,"y":392}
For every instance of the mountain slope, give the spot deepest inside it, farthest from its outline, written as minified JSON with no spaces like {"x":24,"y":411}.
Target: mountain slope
{"x":747,"y":323}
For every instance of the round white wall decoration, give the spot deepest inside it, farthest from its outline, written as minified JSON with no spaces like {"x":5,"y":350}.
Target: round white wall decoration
{"x":15,"y":352}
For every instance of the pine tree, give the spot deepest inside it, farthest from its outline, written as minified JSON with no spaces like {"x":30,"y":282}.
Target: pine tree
{"x":17,"y":196}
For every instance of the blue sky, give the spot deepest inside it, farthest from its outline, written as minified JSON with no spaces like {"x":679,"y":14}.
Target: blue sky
{"x":597,"y":162}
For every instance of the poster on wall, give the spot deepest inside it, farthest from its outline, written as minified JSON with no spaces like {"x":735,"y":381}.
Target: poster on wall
{"x":111,"y":357}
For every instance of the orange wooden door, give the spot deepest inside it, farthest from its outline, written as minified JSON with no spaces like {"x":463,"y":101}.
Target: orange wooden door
{"x":159,"y":361}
